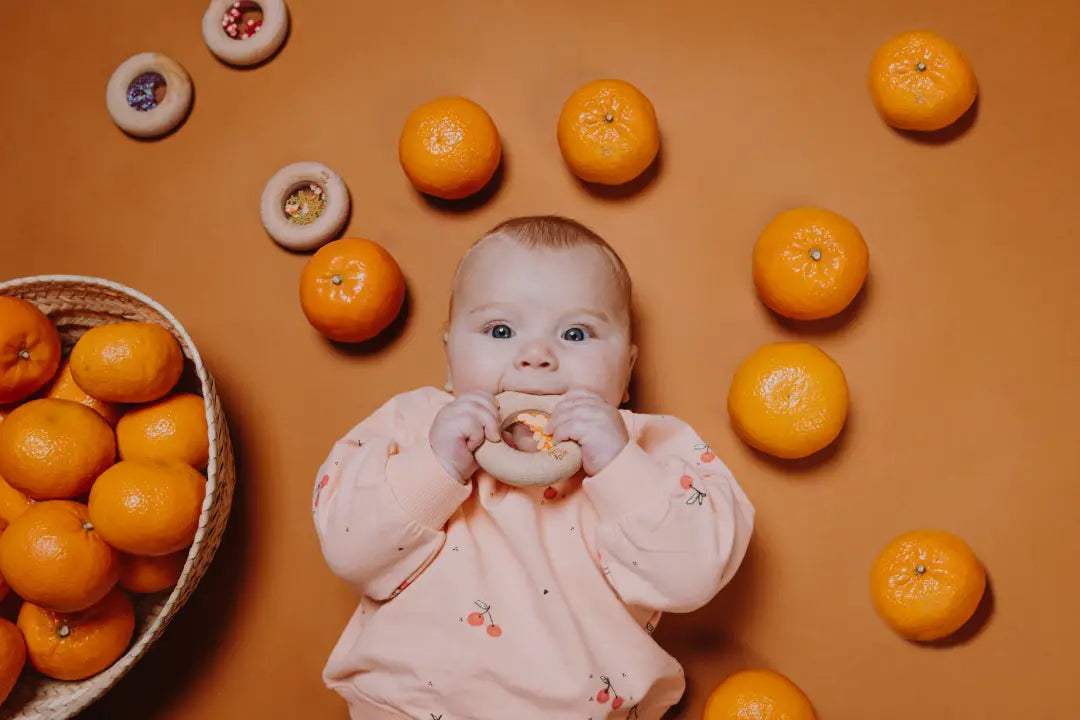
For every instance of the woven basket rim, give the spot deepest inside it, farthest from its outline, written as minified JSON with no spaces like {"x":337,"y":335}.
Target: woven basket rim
{"x":86,"y":692}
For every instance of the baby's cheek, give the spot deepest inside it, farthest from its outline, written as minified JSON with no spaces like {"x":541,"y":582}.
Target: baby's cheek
{"x":474,"y":371}
{"x":605,"y":383}
{"x":604,"y":369}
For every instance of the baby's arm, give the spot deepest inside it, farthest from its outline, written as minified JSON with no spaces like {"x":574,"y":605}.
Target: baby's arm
{"x":382,"y":497}
{"x":674,"y":523}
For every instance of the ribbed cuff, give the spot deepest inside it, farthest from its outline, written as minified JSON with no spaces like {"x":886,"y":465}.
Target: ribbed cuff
{"x":423,"y":488}
{"x":631,"y":483}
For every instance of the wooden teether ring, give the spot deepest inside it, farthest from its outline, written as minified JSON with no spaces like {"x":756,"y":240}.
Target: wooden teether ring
{"x":236,"y":49}
{"x":285,"y":182}
{"x":527,"y":469}
{"x":159,"y":118}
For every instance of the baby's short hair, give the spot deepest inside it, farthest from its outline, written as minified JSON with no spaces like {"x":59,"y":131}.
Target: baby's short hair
{"x":554,"y":232}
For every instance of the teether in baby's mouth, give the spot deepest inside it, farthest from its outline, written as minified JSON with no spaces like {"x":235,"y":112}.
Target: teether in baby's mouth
{"x":528,"y":454}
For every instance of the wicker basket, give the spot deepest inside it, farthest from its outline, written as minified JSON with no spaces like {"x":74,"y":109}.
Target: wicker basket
{"x":75,"y":304}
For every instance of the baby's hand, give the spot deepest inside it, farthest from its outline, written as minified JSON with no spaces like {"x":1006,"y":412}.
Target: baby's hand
{"x":460,"y":427}
{"x":584,"y":417}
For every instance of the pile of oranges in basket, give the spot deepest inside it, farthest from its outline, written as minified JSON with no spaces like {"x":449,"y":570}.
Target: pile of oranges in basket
{"x":101,"y":487}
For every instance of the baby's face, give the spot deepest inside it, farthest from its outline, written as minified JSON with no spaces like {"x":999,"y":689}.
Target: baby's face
{"x":539,"y":321}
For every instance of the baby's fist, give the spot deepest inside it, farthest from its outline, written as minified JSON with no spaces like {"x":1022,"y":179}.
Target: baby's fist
{"x":462,"y":426}
{"x":587,"y":419}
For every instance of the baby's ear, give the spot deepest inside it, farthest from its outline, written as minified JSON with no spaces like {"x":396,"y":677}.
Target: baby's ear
{"x":449,"y":386}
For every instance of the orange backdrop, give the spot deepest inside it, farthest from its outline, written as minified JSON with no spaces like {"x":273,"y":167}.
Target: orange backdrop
{"x":961,"y":353}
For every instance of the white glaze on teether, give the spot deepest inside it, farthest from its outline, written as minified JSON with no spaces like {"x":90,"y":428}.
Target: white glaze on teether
{"x":549,"y":465}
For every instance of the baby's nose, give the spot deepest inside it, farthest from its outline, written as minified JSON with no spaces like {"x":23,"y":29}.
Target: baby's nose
{"x":537,"y":355}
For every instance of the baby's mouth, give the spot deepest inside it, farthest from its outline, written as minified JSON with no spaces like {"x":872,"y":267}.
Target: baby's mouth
{"x":531,"y":391}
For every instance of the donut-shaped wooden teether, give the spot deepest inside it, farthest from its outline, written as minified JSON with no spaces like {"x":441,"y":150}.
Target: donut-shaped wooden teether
{"x":131,"y":95}
{"x":318,"y":214}
{"x":548,"y":465}
{"x":245,"y":41}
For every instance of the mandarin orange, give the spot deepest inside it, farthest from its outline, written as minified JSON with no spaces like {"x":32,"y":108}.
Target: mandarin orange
{"x":449,"y":148}
{"x":351,"y":289}
{"x":54,"y":449}
{"x":12,"y":657}
{"x":758,"y":695}
{"x":608,"y":132}
{"x":64,"y":387}
{"x":127,"y":362}
{"x":77,"y":645}
{"x":173,"y":428}
{"x":148,"y":507}
{"x":52,"y":556}
{"x":29,"y":349}
{"x":921,"y":81}
{"x":144,"y":574}
{"x":809,"y":263}
{"x":788,"y":399}
{"x":926,"y":584}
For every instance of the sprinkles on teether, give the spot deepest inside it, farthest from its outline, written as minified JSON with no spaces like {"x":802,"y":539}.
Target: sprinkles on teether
{"x":236,"y":25}
{"x":536,"y":423}
{"x":245,"y":32}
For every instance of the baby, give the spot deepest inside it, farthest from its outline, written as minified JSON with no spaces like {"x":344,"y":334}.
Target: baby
{"x":485,"y":601}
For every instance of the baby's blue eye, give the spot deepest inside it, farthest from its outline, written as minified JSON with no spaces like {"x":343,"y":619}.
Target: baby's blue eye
{"x":574,"y":334}
{"x":501,"y":332}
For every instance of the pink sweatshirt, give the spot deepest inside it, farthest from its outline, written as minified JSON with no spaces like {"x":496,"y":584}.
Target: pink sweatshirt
{"x":490,"y":602}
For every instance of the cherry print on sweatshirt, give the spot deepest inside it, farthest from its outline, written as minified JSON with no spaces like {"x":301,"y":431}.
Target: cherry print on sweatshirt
{"x":696,"y":496}
{"x":476,"y":619}
{"x":707,"y":455}
{"x":607,"y":693}
{"x":550,"y":493}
